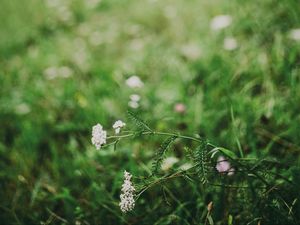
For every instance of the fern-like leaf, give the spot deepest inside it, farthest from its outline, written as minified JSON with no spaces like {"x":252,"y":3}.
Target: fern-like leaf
{"x":201,"y":160}
{"x":139,"y":123}
{"x":160,"y":154}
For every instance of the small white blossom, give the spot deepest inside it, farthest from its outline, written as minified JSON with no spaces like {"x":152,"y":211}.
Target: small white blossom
{"x":134,"y":82}
{"x":98,"y":136}
{"x":168,"y":163}
{"x":220,"y":22}
{"x":127,"y":197}
{"x":230,"y":44}
{"x":295,"y":34}
{"x":133,"y":104}
{"x":118,"y":125}
{"x":191,"y":51}
{"x":135,"y":98}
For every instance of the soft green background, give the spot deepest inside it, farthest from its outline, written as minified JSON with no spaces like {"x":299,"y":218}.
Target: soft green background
{"x":49,"y":168}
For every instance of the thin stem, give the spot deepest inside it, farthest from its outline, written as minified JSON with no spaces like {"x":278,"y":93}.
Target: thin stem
{"x":156,"y":133}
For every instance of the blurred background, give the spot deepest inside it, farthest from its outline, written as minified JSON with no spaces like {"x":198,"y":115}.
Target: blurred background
{"x":226,"y":70}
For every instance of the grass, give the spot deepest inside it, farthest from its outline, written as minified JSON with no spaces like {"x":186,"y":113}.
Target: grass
{"x":246,"y":100}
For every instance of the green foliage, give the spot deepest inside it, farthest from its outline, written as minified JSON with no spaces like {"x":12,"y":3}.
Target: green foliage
{"x":63,"y":68}
{"x":200,"y":157}
{"x":160,"y":154}
{"x":139,"y":123}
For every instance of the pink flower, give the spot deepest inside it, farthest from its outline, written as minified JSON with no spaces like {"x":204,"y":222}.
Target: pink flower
{"x":180,"y":108}
{"x":223,"y":166}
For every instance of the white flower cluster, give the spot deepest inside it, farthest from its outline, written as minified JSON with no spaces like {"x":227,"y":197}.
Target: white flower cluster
{"x":134,"y":101}
{"x":134,"y":82}
{"x":118,"y":125}
{"x":127,"y":197}
{"x":220,"y":22}
{"x":295,"y":34}
{"x":98,"y":136}
{"x":230,"y":44}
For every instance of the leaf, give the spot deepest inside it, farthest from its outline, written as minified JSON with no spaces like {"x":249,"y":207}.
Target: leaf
{"x":201,"y":161}
{"x":227,"y":152}
{"x":159,"y":157}
{"x":139,"y":123}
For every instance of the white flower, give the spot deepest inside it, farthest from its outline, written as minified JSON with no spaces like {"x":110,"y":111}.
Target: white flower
{"x":134,"y":101}
{"x":133,"y":104}
{"x":127,"y":197}
{"x":230,"y":43}
{"x":135,"y":98}
{"x":168,"y":163}
{"x":98,"y":136}
{"x":134,"y":82}
{"x":220,"y":22}
{"x":118,"y":125}
{"x":295,"y":34}
{"x":191,"y":51}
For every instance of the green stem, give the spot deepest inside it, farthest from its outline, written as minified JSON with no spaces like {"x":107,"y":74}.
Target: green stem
{"x":156,"y":133}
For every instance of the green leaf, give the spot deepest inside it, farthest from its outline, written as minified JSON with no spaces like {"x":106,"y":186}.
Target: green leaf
{"x":160,"y":154}
{"x":227,"y":152}
{"x":230,"y":219}
{"x":139,"y":123}
{"x":201,"y":160}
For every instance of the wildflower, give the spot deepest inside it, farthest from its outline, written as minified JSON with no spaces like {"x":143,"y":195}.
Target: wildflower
{"x":135,"y":97}
{"x":295,"y":34}
{"x":134,"y":101}
{"x":134,"y":82}
{"x":191,"y":51}
{"x":220,"y":22}
{"x":127,"y":197}
{"x":133,"y":104}
{"x":223,"y":166}
{"x":230,"y":44}
{"x":118,"y":125}
{"x":98,"y":136}
{"x":180,"y":108}
{"x":168,"y":163}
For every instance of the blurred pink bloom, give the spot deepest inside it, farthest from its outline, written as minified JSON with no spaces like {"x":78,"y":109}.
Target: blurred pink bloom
{"x":180,"y":108}
{"x":223,"y":166}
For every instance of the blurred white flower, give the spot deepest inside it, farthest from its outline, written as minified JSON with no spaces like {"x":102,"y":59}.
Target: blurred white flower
{"x":134,"y":82}
{"x":230,"y":43}
{"x":295,"y":34}
{"x":96,"y":38}
{"x":133,"y":104}
{"x":98,"y":136}
{"x":231,"y":171}
{"x":54,"y":72}
{"x":135,"y":98}
{"x":22,"y":109}
{"x":220,"y":22}
{"x":92,"y":3}
{"x":65,"y":72}
{"x":118,"y":125}
{"x":50,"y":73}
{"x":127,"y":197}
{"x":191,"y":51}
{"x":168,"y":163}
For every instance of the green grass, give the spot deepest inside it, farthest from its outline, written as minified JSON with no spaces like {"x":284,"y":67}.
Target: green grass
{"x":51,"y":173}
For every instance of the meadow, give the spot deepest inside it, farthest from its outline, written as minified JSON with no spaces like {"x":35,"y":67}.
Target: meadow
{"x":209,"y":92}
